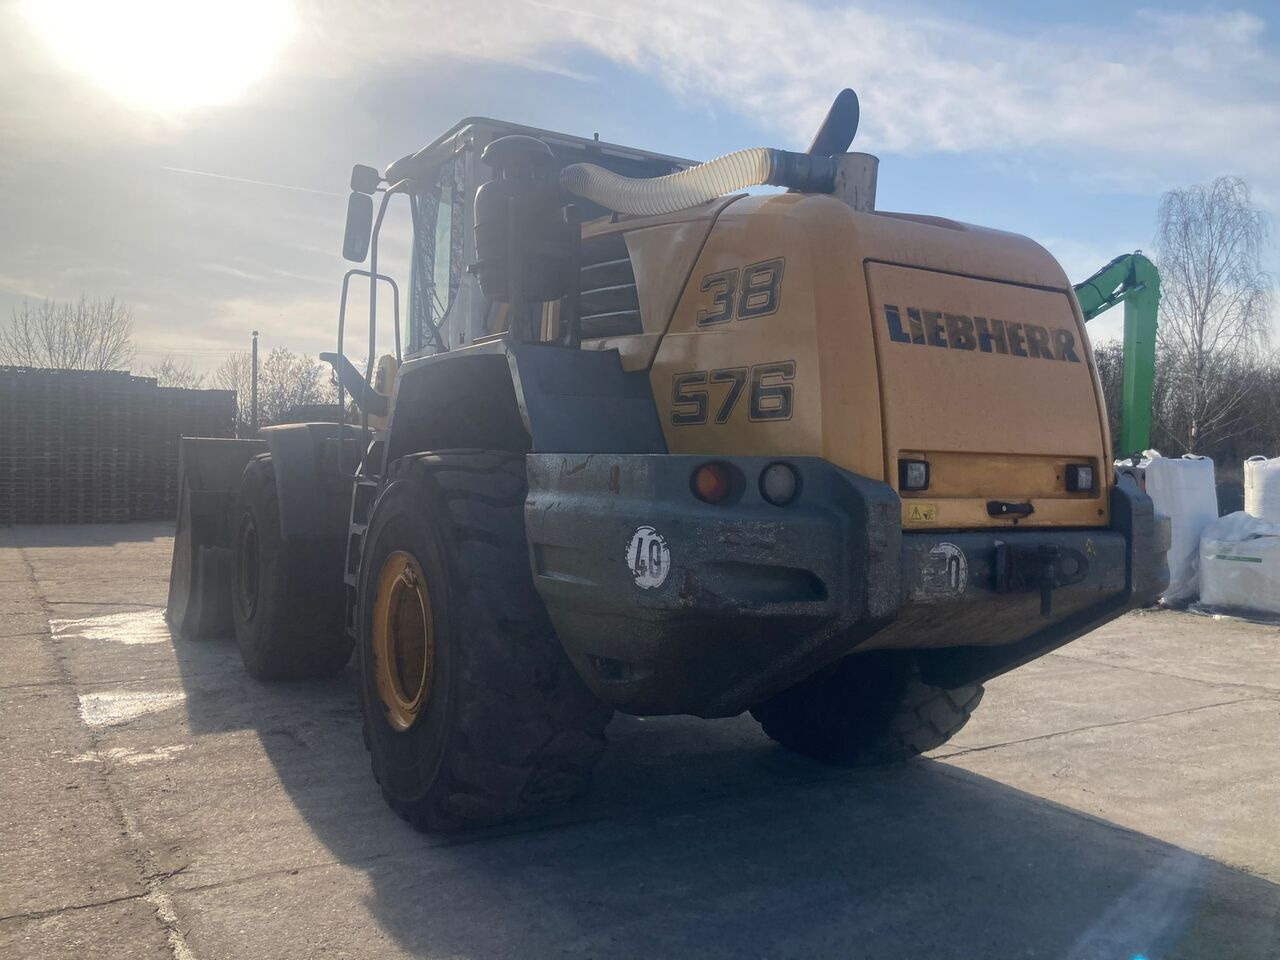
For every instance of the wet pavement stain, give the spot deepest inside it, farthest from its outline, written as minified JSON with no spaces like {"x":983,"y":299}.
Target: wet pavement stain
{"x":129,"y":755}
{"x":112,"y":707}
{"x":136,"y":626}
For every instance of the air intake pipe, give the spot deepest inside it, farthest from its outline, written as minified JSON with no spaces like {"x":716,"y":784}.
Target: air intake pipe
{"x":754,"y":167}
{"x":824,"y":168}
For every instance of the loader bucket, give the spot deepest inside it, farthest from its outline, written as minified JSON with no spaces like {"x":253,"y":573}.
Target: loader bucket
{"x":209,"y":472}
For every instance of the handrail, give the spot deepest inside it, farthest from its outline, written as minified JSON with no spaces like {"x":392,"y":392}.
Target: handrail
{"x":403,"y":186}
{"x":342,"y":326}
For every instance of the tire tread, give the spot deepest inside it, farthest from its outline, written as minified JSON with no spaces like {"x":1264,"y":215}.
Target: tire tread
{"x":822,"y":718}
{"x":302,"y":639}
{"x":527,"y":731}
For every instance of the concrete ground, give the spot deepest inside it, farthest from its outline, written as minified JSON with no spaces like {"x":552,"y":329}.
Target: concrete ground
{"x":1119,"y":799}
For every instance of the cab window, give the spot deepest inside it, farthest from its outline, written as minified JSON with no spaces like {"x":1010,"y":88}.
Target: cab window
{"x":437,"y":253}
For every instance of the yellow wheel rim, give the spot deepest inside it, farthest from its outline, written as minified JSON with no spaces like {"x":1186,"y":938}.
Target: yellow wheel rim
{"x":403,"y":640}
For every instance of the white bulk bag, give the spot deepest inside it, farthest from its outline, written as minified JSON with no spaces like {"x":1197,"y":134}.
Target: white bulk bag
{"x":1262,"y":488}
{"x":1183,"y":490}
{"x":1240,"y":565}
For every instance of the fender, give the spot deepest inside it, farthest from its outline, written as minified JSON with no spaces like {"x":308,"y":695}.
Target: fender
{"x":314,"y":496}
{"x":524,"y":398}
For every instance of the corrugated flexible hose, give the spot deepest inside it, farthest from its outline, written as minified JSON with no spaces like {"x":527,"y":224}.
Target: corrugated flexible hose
{"x":753,"y":167}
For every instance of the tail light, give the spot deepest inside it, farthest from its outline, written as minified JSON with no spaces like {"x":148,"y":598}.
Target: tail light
{"x":711,"y":482}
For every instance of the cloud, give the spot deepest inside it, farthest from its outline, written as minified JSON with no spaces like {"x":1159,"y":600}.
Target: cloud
{"x":1158,"y":94}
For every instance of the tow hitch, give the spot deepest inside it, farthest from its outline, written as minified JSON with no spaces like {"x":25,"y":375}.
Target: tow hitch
{"x":1043,"y":567}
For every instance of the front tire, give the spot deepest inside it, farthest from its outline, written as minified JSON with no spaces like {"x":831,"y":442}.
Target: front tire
{"x":286,"y":607}
{"x":869,"y":708}
{"x":472,"y":712}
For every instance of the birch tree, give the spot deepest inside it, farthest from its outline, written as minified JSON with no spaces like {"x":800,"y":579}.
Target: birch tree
{"x":1215,"y":307}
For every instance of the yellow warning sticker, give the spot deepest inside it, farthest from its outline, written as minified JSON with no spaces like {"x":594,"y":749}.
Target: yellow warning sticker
{"x":922,"y":513}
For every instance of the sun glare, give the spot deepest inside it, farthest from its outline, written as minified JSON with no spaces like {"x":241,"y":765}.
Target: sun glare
{"x":167,"y":56}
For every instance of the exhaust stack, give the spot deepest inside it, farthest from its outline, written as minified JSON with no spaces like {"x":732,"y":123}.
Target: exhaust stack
{"x":856,"y":180}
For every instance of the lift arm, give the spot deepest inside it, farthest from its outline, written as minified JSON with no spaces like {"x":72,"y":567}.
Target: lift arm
{"x":1131,"y":279}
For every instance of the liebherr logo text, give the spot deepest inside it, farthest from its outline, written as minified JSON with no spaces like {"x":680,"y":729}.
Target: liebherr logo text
{"x":960,"y":332}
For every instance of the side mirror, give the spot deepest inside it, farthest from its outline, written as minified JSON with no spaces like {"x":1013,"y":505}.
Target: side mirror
{"x":365,"y":179}
{"x":355,"y":241}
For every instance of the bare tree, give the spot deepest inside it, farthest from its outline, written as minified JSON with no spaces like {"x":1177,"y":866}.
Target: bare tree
{"x":86,"y":334}
{"x":235,"y":374}
{"x":1260,"y":427}
{"x":1215,"y":306}
{"x":1108,"y":356}
{"x":285,"y":380}
{"x":170,"y":372}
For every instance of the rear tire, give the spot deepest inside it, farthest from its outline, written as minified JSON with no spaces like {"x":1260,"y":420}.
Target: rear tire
{"x":497,"y":724}
{"x":287,"y":608}
{"x":869,"y":708}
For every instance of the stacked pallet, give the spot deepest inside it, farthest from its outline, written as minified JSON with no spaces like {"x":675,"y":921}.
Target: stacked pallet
{"x":96,"y":447}
{"x":179,"y":413}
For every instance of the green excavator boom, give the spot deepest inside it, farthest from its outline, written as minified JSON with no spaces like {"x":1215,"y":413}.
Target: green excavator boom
{"x":1133,"y":280}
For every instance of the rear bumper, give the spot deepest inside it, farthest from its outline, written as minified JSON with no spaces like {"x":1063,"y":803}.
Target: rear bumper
{"x":725,"y":605}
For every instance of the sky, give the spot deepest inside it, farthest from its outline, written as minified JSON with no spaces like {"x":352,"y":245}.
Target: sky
{"x":193,"y":159}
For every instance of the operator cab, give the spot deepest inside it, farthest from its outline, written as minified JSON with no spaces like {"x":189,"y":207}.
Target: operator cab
{"x":445,"y":306}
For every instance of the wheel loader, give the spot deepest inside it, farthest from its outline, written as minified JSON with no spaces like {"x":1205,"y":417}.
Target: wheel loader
{"x":655,"y":438}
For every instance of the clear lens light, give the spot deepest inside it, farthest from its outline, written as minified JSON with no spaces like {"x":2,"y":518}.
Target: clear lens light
{"x":778,"y":483}
{"x":1080,"y":477}
{"x":915,"y":475}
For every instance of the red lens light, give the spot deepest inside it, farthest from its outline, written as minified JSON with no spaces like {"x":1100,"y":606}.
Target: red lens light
{"x":711,"y":482}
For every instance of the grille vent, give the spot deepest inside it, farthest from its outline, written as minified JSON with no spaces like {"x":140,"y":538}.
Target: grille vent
{"x":608,"y":305}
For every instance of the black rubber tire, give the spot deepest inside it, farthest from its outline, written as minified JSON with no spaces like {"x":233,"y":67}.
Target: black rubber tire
{"x":287,"y":609}
{"x":869,"y":708}
{"x":509,"y":728}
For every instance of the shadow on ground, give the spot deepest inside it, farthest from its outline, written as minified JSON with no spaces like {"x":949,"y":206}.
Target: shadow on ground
{"x":703,"y":839}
